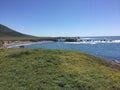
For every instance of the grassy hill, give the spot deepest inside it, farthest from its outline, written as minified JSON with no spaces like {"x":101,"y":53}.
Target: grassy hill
{"x":42,"y":69}
{"x":7,"y":32}
{"x":10,"y":34}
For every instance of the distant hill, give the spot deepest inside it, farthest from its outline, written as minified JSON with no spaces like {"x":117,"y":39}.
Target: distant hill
{"x":7,"y":33}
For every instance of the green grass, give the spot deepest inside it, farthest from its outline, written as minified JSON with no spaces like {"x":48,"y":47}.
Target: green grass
{"x":41,"y":69}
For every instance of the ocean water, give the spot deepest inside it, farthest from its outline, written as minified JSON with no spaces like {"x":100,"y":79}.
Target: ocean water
{"x":106,"y":50}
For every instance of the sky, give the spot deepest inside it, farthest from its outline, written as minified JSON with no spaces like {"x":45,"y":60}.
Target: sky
{"x":62,"y":17}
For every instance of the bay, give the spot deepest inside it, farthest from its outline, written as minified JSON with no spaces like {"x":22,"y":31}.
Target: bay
{"x":109,"y":51}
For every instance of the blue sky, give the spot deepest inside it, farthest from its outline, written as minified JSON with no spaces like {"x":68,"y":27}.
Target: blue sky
{"x":62,"y":17}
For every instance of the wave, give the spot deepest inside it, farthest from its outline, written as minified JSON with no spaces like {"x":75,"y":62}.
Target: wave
{"x":94,"y":42}
{"x":79,"y":43}
{"x":102,"y":37}
{"x":87,"y":38}
{"x":116,"y":41}
{"x":116,"y":61}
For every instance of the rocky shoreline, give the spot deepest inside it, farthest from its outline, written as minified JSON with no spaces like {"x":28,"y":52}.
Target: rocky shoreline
{"x":112,"y":64}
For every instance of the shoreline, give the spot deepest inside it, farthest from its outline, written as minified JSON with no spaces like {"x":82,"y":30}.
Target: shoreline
{"x":112,"y":64}
{"x":108,"y":63}
{"x":21,"y":43}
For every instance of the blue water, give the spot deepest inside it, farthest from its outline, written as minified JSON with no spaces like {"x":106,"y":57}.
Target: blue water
{"x":110,"y":51}
{"x":104,"y":37}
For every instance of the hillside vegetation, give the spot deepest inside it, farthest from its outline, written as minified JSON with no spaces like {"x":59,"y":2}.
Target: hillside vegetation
{"x":42,"y":69}
{"x":7,"y":33}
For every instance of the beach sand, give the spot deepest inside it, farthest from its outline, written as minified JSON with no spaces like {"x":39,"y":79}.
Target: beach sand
{"x":23,"y":43}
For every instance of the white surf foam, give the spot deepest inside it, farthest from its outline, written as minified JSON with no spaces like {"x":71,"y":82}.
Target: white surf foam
{"x":116,"y":61}
{"x":94,"y":42}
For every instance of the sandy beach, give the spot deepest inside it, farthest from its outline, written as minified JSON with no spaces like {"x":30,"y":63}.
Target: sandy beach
{"x":23,"y":43}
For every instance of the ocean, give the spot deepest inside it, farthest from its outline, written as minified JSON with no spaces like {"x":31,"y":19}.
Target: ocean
{"x":106,"y":50}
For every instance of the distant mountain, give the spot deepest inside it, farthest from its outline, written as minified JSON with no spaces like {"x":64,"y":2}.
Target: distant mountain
{"x":8,"y":33}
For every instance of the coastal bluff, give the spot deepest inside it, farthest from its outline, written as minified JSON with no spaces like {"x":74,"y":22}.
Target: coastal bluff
{"x":45,"y":69}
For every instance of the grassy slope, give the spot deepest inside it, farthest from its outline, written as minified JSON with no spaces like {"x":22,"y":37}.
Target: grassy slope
{"x":40,"y":69}
{"x":9,"y":34}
